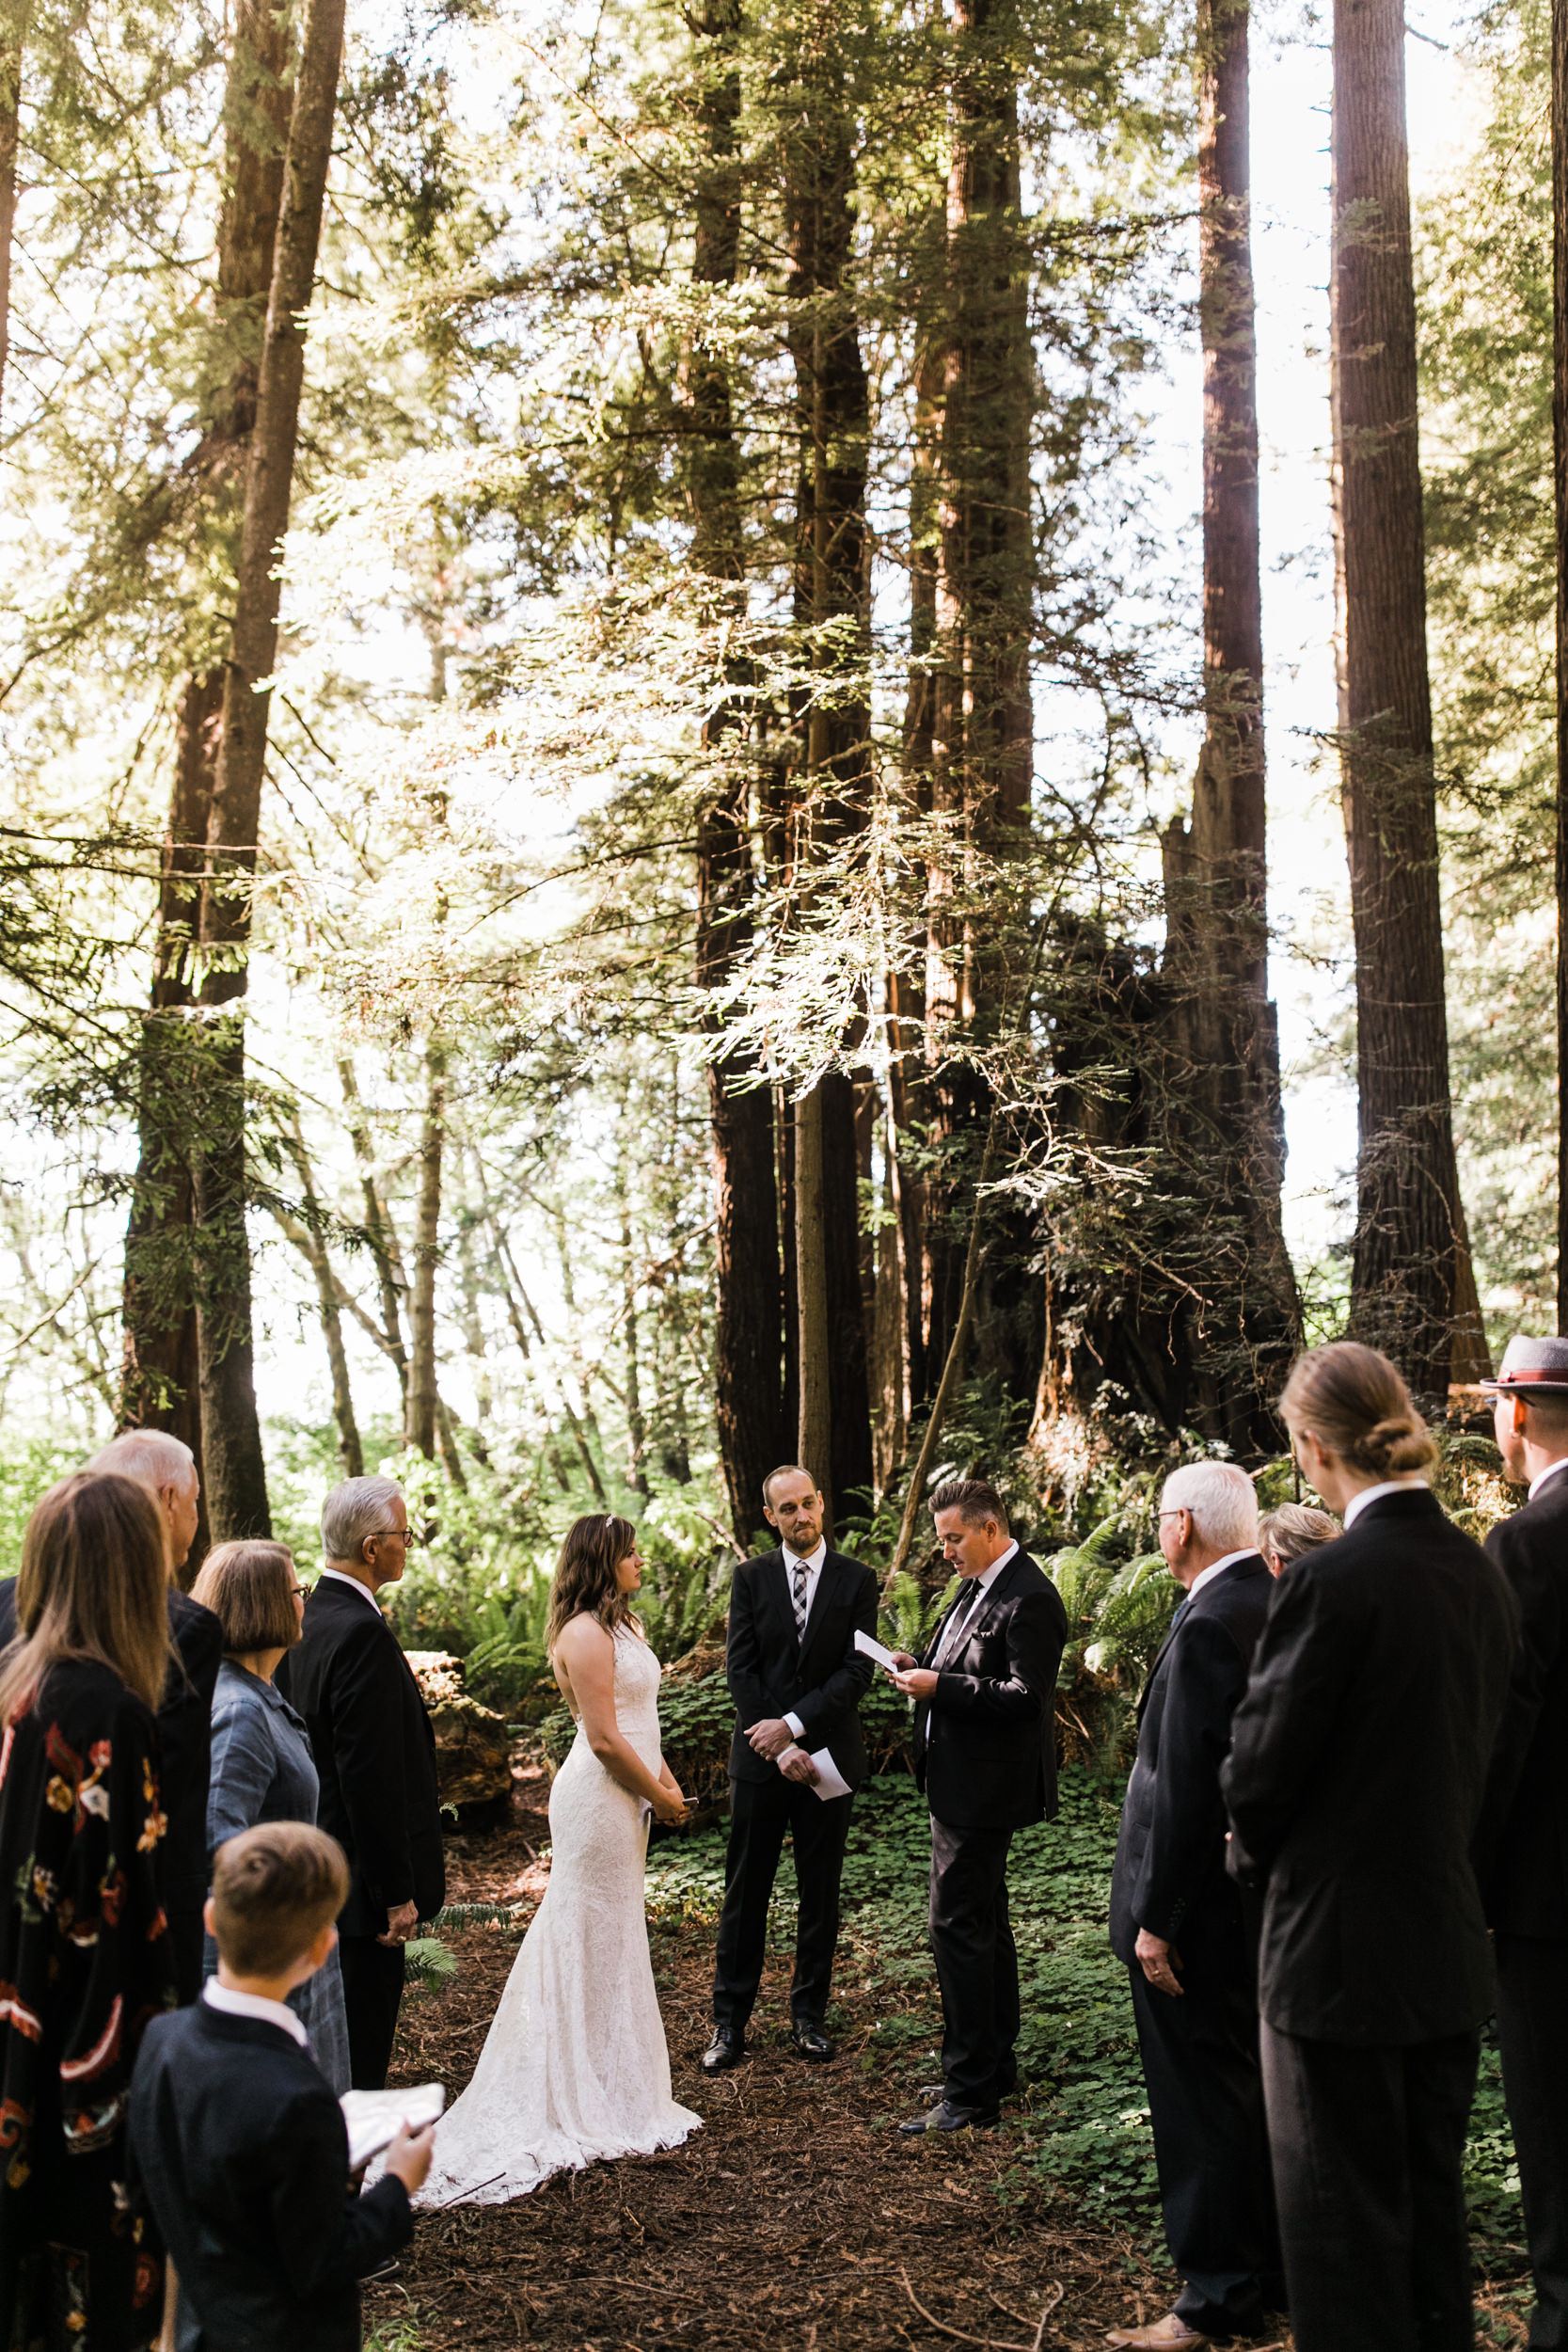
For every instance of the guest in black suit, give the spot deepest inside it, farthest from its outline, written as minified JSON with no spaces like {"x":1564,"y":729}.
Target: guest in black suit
{"x":797,"y":1681}
{"x":237,"y":2142}
{"x":985,"y":1747}
{"x":1522,"y":1845}
{"x":1176,"y":1921}
{"x":375,"y":1753}
{"x":1358,"y":1763}
{"x":166,"y":1465}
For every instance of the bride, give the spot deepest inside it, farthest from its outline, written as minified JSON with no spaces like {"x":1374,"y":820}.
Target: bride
{"x":575,"y":2066}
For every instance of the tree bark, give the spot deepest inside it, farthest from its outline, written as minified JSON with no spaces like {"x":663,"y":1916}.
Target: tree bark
{"x":237,"y":1473}
{"x":420,"y":1424}
{"x":982,"y":718}
{"x":815,"y":1445}
{"x":161,"y":1376}
{"x":832,"y":609}
{"x":748,"y":1303}
{"x":1405,"y":1272}
{"x":1559,"y":491}
{"x":391,"y":1282}
{"x":1243,"y":1325}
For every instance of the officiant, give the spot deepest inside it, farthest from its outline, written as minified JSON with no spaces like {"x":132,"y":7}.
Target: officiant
{"x":797,"y":1681}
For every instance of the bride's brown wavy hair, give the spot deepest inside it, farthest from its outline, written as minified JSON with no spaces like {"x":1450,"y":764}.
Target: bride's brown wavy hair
{"x":584,"y":1583}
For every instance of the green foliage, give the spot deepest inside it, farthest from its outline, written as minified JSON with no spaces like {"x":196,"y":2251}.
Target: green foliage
{"x":26,"y":1471}
{"x":428,"y":1963}
{"x":396,"y":2335}
{"x":1118,"y":1615}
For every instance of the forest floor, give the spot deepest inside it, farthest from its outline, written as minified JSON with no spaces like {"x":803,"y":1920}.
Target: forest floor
{"x":796,"y":2216}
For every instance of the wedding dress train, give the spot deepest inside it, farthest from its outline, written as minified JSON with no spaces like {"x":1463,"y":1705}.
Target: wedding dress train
{"x":575,"y":2067}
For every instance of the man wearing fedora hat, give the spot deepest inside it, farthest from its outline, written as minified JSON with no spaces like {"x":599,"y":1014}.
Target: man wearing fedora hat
{"x":1522,"y":1844}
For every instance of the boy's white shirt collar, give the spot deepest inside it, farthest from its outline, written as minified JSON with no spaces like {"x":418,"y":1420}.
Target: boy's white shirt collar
{"x":233,"y":2003}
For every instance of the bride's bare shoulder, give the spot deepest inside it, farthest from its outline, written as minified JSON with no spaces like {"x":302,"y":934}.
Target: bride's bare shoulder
{"x":582,"y":1637}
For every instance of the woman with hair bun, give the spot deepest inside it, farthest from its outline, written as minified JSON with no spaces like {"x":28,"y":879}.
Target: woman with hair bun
{"x":1358,"y":1762}
{"x":576,"y":2067}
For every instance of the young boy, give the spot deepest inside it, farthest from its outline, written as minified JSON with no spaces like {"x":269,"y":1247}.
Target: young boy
{"x":236,"y":2138}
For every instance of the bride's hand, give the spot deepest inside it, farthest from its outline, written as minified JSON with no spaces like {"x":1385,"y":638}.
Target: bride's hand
{"x":670,"y":1805}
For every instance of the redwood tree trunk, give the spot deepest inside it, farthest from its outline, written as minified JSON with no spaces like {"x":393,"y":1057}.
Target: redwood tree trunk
{"x":981,"y":714}
{"x":1405,"y":1269}
{"x":1243,"y":1327}
{"x":161,"y":1377}
{"x":236,"y":1472}
{"x":1559,"y":483}
{"x":833,"y":414}
{"x":747,"y":1337}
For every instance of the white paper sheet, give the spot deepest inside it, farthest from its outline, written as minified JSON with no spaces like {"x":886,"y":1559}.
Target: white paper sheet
{"x":869,"y":1648}
{"x":829,"y":1781}
{"x":374,"y":2115}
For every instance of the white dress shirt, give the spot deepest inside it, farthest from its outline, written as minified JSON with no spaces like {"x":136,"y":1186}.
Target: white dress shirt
{"x":1248,"y":1551}
{"x":1358,"y":1503}
{"x":339,"y":1575}
{"x":1540,"y":1477}
{"x":967,"y":1605}
{"x":233,"y":2003}
{"x":812,"y":1561}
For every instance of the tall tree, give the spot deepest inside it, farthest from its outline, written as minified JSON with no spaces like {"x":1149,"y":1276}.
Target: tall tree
{"x":982,"y":715}
{"x":422,"y":1406}
{"x":1411,"y":1262}
{"x":1244,"y":1322}
{"x":161,"y":1378}
{"x":236,"y":1473}
{"x":831,"y":610}
{"x":748,"y":1340}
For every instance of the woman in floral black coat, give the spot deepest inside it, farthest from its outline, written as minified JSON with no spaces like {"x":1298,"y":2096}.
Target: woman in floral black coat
{"x":84,"y":1951}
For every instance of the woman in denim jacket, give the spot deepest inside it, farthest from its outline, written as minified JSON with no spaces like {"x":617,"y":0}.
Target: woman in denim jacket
{"x":262,"y":1769}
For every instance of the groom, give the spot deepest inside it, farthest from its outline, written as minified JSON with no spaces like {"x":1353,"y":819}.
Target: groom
{"x":797,"y":1681}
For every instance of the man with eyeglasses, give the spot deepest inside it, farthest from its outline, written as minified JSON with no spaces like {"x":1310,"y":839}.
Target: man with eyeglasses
{"x":375,"y":1752}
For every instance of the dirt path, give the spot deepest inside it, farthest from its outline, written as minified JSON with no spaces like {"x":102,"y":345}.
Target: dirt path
{"x":787,"y":2221}
{"x":796,"y":2218}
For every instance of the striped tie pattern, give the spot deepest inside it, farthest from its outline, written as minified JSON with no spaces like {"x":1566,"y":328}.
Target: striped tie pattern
{"x":802,"y":1572}
{"x":957,"y":1625}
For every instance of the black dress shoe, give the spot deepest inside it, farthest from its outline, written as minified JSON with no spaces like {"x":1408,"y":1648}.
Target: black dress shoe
{"x":726,"y":2049}
{"x":947,"y":2118}
{"x":809,"y":2039}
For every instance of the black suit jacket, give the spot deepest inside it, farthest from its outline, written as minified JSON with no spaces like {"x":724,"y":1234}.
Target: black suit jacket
{"x":771,"y":1672}
{"x":1170,"y":1875}
{"x":1522,"y":1845}
{"x":185,"y":1741}
{"x":241,"y":2150}
{"x":1358,"y":1765}
{"x":985,"y":1742}
{"x":375,"y":1752}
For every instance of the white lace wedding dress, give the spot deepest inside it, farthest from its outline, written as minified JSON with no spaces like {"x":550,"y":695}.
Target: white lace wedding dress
{"x":575,"y":2067}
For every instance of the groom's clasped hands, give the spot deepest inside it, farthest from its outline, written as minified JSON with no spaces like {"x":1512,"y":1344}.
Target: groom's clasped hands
{"x":774,"y":1741}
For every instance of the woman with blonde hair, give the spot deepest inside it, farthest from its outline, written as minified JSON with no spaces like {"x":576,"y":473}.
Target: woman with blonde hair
{"x":262,"y":1766}
{"x":1358,"y":1762}
{"x":1292,"y":1532}
{"x":86,"y":1957}
{"x":576,"y":2067}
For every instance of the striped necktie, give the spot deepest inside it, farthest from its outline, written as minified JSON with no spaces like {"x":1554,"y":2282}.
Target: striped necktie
{"x":801,"y":1570}
{"x":957,"y":1625}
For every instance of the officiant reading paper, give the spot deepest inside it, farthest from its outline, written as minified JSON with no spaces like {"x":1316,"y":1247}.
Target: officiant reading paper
{"x":797,"y":1681}
{"x":985,"y":1748}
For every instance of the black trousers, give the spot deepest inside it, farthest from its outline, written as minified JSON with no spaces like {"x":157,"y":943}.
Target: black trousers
{"x":1205,"y":2087}
{"x":189,"y":1936}
{"x":762,"y":1813}
{"x":972,"y":1940}
{"x":1369,"y":2148}
{"x":1532,"y":2034}
{"x":372,"y":1994}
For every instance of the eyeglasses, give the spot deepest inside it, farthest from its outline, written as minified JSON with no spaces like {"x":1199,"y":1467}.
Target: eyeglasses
{"x":412,"y":1537}
{"x":302,"y":1592}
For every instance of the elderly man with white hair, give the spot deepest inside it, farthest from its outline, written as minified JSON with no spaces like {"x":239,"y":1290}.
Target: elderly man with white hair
{"x":375,"y":1753}
{"x":167,"y":1466}
{"x":1177,"y":1921}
